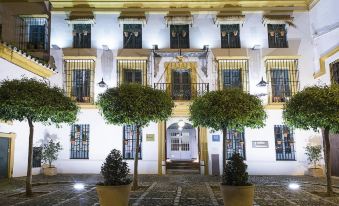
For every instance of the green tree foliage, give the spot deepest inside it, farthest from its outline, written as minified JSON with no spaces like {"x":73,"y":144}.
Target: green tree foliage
{"x":316,"y":107}
{"x":135,"y":104}
{"x":115,"y":170}
{"x":313,"y":154}
{"x":230,"y":108}
{"x":34,"y":101}
{"x":235,"y":172}
{"x":50,"y":151}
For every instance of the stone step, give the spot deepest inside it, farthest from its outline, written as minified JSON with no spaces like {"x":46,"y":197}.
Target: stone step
{"x":182,"y":171}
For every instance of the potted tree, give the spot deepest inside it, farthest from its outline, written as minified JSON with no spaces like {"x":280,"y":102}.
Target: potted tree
{"x":20,"y":99}
{"x":314,"y":155}
{"x":145,"y":105}
{"x":231,"y":108}
{"x":49,"y":154}
{"x":320,"y":111}
{"x":117,"y":185}
{"x":235,"y":188}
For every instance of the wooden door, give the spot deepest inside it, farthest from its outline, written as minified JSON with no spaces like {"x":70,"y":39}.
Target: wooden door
{"x":335,"y":154}
{"x":4,"y":157}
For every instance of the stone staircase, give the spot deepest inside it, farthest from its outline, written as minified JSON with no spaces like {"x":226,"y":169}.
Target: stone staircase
{"x":182,"y":167}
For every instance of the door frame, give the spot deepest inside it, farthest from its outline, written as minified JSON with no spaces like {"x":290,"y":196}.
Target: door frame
{"x":11,"y":137}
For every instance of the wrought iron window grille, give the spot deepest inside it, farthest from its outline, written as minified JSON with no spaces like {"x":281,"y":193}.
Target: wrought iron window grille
{"x":37,"y":156}
{"x":335,"y":72}
{"x":80,"y":141}
{"x":233,"y":73}
{"x":179,"y":36}
{"x":129,"y":142}
{"x":235,"y":143}
{"x":230,"y":36}
{"x":81,"y":36}
{"x":132,"y":71}
{"x":277,"y":36}
{"x":284,"y":143}
{"x":132,"y":36}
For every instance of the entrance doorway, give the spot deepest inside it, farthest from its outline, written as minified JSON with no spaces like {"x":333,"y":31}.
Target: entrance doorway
{"x":4,"y":157}
{"x":181,"y":142}
{"x":334,"y":142}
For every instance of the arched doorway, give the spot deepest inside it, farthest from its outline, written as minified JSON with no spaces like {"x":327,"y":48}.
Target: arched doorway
{"x":181,"y":143}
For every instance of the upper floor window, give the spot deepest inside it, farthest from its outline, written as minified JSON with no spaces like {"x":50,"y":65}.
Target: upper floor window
{"x":284,"y":143}
{"x":79,"y":80}
{"x":133,"y":36}
{"x":32,"y":33}
{"x":230,"y":36}
{"x":277,"y":36}
{"x":283,"y":79}
{"x":81,"y":36}
{"x":233,"y":73}
{"x":129,"y":142}
{"x":79,"y":141}
{"x":235,"y":143}
{"x":132,"y":71}
{"x":335,"y":72}
{"x":180,"y":36}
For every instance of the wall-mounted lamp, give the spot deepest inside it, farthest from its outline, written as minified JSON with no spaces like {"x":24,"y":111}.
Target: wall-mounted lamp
{"x":206,"y":47}
{"x":102,"y":84}
{"x":262,"y":83}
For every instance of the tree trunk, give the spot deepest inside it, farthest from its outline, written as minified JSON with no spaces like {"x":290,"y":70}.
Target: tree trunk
{"x":136,"y":158}
{"x":327,"y":155}
{"x":30,"y":159}
{"x":224,"y":138}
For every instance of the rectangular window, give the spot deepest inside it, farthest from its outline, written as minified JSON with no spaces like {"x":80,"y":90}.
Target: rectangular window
{"x":283,"y":78}
{"x":82,"y":36}
{"x":284,"y":143}
{"x":179,"y":36}
{"x":79,"y":141}
{"x":0,"y":31}
{"x":32,"y":33}
{"x":277,"y":36}
{"x":230,"y":36}
{"x":233,"y":73}
{"x":235,"y":143}
{"x":335,"y":72}
{"x":132,"y":71}
{"x":133,"y":36}
{"x":129,"y":142}
{"x":37,"y":154}
{"x":80,"y":80}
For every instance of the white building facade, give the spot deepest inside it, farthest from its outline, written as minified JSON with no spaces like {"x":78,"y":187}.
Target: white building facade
{"x":186,"y":53}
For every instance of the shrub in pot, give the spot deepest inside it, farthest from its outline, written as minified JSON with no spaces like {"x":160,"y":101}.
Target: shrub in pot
{"x":235,"y":188}
{"x":117,"y":185}
{"x":50,"y":151}
{"x":314,"y":156}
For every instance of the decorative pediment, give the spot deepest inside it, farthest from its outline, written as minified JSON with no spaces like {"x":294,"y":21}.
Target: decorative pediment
{"x":132,"y":18}
{"x":277,"y":19}
{"x":229,"y":19}
{"x":179,"y":18}
{"x":81,"y":17}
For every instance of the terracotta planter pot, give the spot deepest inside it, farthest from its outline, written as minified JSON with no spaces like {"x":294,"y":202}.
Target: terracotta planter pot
{"x":113,"y":195}
{"x":316,"y":172}
{"x":237,"y":195}
{"x":50,"y":171}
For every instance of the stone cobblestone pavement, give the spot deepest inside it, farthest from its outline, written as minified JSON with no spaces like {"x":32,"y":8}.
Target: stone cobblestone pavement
{"x":167,"y":190}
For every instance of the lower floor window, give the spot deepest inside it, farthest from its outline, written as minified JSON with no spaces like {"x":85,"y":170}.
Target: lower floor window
{"x":284,"y":143}
{"x":235,"y":143}
{"x":37,"y":152}
{"x":129,"y":142}
{"x":79,"y":141}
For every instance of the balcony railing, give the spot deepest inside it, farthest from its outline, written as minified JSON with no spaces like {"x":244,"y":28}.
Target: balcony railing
{"x":183,"y":91}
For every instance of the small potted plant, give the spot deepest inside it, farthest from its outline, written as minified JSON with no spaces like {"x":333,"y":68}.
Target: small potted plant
{"x":314,"y":155}
{"x":117,"y":185}
{"x":50,"y":151}
{"x":235,"y":188}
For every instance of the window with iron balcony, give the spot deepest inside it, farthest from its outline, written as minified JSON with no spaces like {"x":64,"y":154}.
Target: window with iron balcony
{"x":32,"y":35}
{"x":79,"y":80}
{"x":132,"y":71}
{"x":132,"y":36}
{"x":230,"y":36}
{"x":179,"y":37}
{"x":233,"y":73}
{"x":283,"y":79}
{"x":334,"y":67}
{"x":277,"y":36}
